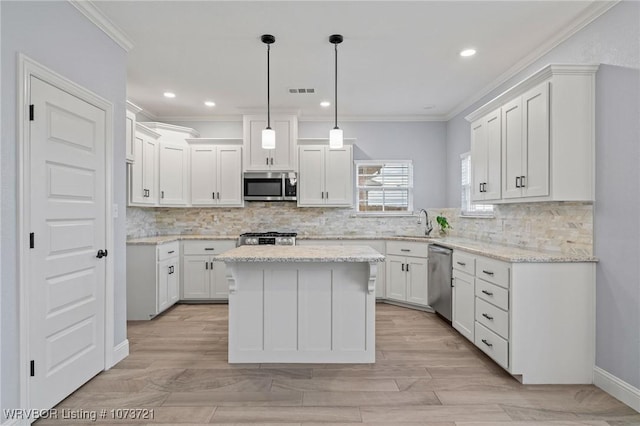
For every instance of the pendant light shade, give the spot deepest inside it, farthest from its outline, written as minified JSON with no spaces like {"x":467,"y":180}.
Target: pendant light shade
{"x":268,"y":134}
{"x":336,"y":139}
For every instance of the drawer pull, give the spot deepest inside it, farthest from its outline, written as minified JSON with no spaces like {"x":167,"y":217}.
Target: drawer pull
{"x":172,"y":251}
{"x":209,"y":248}
{"x":488,"y":293}
{"x":406,"y":250}
{"x":206,"y":265}
{"x":489,"y":317}
{"x":488,"y":272}
{"x":487,"y":343}
{"x":461,"y":263}
{"x":403,"y":267}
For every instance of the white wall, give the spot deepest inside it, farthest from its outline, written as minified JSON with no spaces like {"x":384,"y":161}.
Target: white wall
{"x":614,"y":41}
{"x":56,"y":35}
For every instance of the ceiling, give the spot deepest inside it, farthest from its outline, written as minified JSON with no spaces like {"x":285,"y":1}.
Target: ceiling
{"x":398,"y":59}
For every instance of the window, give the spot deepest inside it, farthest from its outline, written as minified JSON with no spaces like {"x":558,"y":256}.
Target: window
{"x":468,"y":208}
{"x":384,"y":187}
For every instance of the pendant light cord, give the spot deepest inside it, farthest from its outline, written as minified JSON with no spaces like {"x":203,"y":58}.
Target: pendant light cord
{"x":268,"y":90}
{"x":335,"y":46}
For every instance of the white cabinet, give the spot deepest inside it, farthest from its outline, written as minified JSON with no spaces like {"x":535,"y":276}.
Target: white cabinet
{"x":463,"y":296}
{"x":282,"y":157}
{"x":525,"y":142}
{"x":152,"y":279}
{"x":174,"y":174}
{"x":130,"y":131}
{"x":325,"y":177}
{"x":485,"y":157}
{"x":143,"y":173}
{"x":216,"y":175}
{"x":545,"y":128}
{"x":407,"y":270}
{"x":204,"y":277}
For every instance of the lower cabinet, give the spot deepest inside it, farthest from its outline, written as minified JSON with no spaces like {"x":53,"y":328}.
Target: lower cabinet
{"x":463,"y":301}
{"x":152,"y":279}
{"x":407,"y":269}
{"x":204,"y":278}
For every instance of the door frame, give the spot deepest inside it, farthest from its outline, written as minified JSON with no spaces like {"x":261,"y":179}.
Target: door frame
{"x":28,"y":68}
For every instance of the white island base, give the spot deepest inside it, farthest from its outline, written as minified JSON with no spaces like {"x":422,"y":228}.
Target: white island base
{"x":287,"y":305}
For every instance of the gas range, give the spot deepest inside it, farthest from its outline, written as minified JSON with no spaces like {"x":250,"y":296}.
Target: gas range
{"x":267,"y":238}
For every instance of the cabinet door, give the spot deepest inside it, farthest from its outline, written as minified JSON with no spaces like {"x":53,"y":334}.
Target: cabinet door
{"x":229,"y":176}
{"x":150,"y":170}
{"x":478,"y":160}
{"x":219,"y":283}
{"x":257,"y":158}
{"x":416,"y":270}
{"x":162,"y":293}
{"x":493,"y":130}
{"x":281,"y":158}
{"x":338,"y":174}
{"x":136,"y":174}
{"x":173,"y":174}
{"x":130,"y":125}
{"x":535,"y":108}
{"x":463,"y":305}
{"x":173,"y":282}
{"x":311,"y":177}
{"x":512,"y":148}
{"x":196,"y":277}
{"x":396,"y":278}
{"x":203,"y":175}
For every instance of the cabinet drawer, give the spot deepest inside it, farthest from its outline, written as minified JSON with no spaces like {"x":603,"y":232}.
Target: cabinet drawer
{"x":401,"y":248}
{"x":464,"y":262}
{"x":493,"y":271}
{"x":492,"y":344}
{"x":493,"y":294}
{"x":495,"y":319}
{"x":211,"y":247}
{"x":166,"y":251}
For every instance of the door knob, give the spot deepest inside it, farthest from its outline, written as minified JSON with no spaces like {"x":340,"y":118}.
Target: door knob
{"x":101,"y":254}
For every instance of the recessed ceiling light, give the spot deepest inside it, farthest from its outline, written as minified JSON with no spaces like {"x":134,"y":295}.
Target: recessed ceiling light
{"x":325,"y":104}
{"x":210,"y":103}
{"x":169,"y":95}
{"x":468,"y":52}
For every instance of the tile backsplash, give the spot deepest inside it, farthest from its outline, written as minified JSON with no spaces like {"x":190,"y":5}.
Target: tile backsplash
{"x":565,"y":227}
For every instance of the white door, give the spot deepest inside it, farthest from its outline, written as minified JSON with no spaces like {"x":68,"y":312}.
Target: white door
{"x":173,"y":287}
{"x":229,"y":176}
{"x":396,"y":278}
{"x":535,"y":107}
{"x":512,"y":148}
{"x":493,"y":187}
{"x":173,"y":174}
{"x":203,"y":175}
{"x":150,"y":170}
{"x":417,"y":270}
{"x":164,"y":269}
{"x":258,"y":158}
{"x":130,"y":127}
{"x":137,"y":193}
{"x":281,"y":156}
{"x":311,"y":181}
{"x":338,"y":176}
{"x":219,"y":283}
{"x":463,"y":304}
{"x":66,"y":197}
{"x":478,"y":160}
{"x":195,"y":282}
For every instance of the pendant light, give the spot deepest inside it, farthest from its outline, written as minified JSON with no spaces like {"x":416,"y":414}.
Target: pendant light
{"x":335,"y":135}
{"x":268,"y":134}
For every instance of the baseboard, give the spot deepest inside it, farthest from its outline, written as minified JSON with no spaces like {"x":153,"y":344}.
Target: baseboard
{"x":120,"y":351}
{"x":617,"y":388}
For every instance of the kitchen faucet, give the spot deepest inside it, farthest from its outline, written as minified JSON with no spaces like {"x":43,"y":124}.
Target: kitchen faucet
{"x":428,"y":225}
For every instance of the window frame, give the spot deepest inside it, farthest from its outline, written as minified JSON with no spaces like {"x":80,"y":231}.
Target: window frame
{"x":467,"y":208}
{"x":382,"y":163}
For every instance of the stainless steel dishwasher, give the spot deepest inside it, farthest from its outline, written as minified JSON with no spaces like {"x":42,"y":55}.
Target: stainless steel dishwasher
{"x":439,"y":282}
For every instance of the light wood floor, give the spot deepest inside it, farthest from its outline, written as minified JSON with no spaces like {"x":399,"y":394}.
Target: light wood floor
{"x":425,"y":374}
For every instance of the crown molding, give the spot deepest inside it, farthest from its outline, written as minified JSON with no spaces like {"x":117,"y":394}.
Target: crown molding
{"x":199,"y":118}
{"x":100,"y":20}
{"x":164,"y":126}
{"x":147,"y":131}
{"x":590,"y":14}
{"x":378,"y":118}
{"x":133,"y":107}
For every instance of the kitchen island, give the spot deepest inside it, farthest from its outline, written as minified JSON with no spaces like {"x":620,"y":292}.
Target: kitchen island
{"x":301,"y":304}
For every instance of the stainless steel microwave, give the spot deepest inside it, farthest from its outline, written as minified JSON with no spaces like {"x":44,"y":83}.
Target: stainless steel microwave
{"x":270,"y":186}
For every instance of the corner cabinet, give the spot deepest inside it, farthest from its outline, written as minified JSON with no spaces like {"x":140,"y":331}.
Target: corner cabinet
{"x":216,"y":174}
{"x":143,"y":173}
{"x":326,"y":176}
{"x":282,"y":157}
{"x":537,"y":139}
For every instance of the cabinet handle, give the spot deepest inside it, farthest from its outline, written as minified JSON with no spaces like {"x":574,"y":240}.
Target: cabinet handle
{"x":461,"y":263}
{"x":206,"y":265}
{"x":489,"y":317}
{"x":272,"y":161}
{"x":480,"y":187}
{"x":213,"y":195}
{"x":488,"y":293}
{"x":484,"y":187}
{"x":521,"y":181}
{"x":209,"y":248}
{"x":172,"y":251}
{"x":407,"y":267}
{"x":518,"y":182}
{"x":212,"y":266}
{"x":407,"y":250}
{"x":488,"y":273}
{"x":218,"y":195}
{"x":327,"y":195}
{"x":161,"y":194}
{"x":170,"y":270}
{"x":403,"y":267}
{"x":267,"y":161}
{"x":322,"y":195}
{"x":487,"y":343}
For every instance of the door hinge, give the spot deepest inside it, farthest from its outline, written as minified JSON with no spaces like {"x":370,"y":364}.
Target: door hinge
{"x":31,"y":115}
{"x":32,"y":240}
{"x":32,"y":368}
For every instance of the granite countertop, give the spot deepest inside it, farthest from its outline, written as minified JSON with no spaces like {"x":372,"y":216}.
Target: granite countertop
{"x":301,"y":254}
{"x":491,"y":250}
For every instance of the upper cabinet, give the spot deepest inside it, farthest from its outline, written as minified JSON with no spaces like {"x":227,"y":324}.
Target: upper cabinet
{"x":143,"y":173}
{"x":130,"y":131}
{"x":326,"y":176}
{"x":282,"y":157}
{"x":216,"y":174}
{"x":542,"y":132}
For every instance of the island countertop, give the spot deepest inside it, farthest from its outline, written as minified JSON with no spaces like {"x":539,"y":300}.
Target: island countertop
{"x":268,"y":253}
